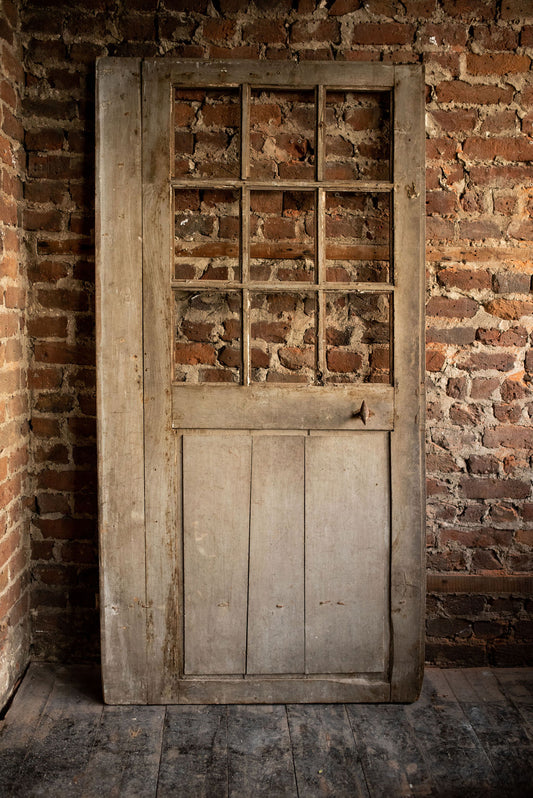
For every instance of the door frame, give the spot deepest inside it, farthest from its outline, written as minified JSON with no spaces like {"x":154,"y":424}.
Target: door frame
{"x":138,"y":462}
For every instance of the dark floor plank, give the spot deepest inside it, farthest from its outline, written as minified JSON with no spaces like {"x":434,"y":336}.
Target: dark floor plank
{"x":259,"y":752}
{"x":63,"y":739}
{"x":194,"y":758}
{"x":124,"y":762}
{"x":392,"y":762}
{"x":498,"y":726}
{"x":517,"y":685}
{"x":20,"y":721}
{"x":323,"y":748}
{"x":457,"y":763}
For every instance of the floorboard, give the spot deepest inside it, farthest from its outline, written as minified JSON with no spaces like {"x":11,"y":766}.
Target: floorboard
{"x":326,"y":761}
{"x":470,"y":735}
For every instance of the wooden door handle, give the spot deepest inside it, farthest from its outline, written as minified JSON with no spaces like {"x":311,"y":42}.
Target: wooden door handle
{"x":363,"y":413}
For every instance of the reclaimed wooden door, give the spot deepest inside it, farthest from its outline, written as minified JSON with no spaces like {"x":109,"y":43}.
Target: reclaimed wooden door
{"x":260,"y":293}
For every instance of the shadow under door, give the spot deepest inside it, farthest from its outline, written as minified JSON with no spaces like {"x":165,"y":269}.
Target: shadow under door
{"x":260,"y":288}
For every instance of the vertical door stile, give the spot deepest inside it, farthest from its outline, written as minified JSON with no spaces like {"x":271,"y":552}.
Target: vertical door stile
{"x":119,"y":385}
{"x":162,"y":478}
{"x":407,"y":451}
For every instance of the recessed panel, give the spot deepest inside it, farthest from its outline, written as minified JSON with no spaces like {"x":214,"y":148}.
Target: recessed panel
{"x":207,"y":341}
{"x":206,"y":234}
{"x":283,"y":337}
{"x":358,"y":135}
{"x":206,"y":133}
{"x":282,"y":236}
{"x":282,"y":134}
{"x":358,"y":333}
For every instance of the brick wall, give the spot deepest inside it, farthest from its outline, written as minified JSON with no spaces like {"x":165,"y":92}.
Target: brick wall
{"x":14,"y":553}
{"x":477,"y":55}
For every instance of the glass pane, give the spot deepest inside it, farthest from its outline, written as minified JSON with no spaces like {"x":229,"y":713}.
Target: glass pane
{"x":282,"y":134}
{"x":357,"y":237}
{"x":358,"y":331}
{"x":206,"y":230}
{"x":283,"y":337}
{"x":282,"y":236}
{"x":207,"y":343}
{"x":207,"y":133}
{"x":358,"y":135}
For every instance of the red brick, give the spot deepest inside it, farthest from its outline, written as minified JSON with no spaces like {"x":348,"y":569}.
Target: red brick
{"x":194,"y":354}
{"x":443,"y":35}
{"x":465,"y":279}
{"x":509,"y":308}
{"x":458,"y":91}
{"x":441,"y":202}
{"x":501,"y":122}
{"x":219,"y":30}
{"x":264,"y":31}
{"x":495,"y":337}
{"x":509,"y":149}
{"x":435,"y":359}
{"x":342,"y":361}
{"x":496,"y":38}
{"x":512,"y":437}
{"x":492,"y":488}
{"x":452,"y":308}
{"x":383,"y":33}
{"x":515,"y":10}
{"x":325,"y":30}
{"x":295,"y":358}
{"x":487,"y":361}
{"x":497,"y":63}
{"x":275,"y":332}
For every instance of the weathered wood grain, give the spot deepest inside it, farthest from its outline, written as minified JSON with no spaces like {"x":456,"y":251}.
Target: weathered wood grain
{"x":119,"y":363}
{"x":194,"y":756}
{"x":273,"y":407}
{"x":64,"y":736}
{"x":126,"y":754}
{"x":276,"y":577}
{"x":18,"y":727}
{"x":517,"y":686}
{"x":407,"y":441}
{"x":346,"y":552}
{"x":446,"y":736}
{"x":216,"y":511}
{"x":390,"y":754}
{"x":161,"y":461}
{"x":498,"y":725}
{"x":325,"y":758}
{"x":259,"y":752}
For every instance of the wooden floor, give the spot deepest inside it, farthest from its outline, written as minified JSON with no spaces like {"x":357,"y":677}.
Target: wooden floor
{"x":470,"y":734}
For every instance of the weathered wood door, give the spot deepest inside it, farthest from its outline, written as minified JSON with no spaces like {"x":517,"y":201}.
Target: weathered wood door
{"x":260,"y":290}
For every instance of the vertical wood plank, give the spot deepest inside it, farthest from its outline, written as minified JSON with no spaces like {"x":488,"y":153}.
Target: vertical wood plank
{"x":216,"y":510}
{"x":407,"y":439}
{"x":163,"y":552}
{"x":347,"y":552}
{"x":276,"y":582}
{"x":119,"y":362}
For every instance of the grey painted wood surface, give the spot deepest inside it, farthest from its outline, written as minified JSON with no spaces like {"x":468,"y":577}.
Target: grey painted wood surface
{"x":216,"y":512}
{"x":58,"y":739}
{"x":347,"y":552}
{"x":277,"y":556}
